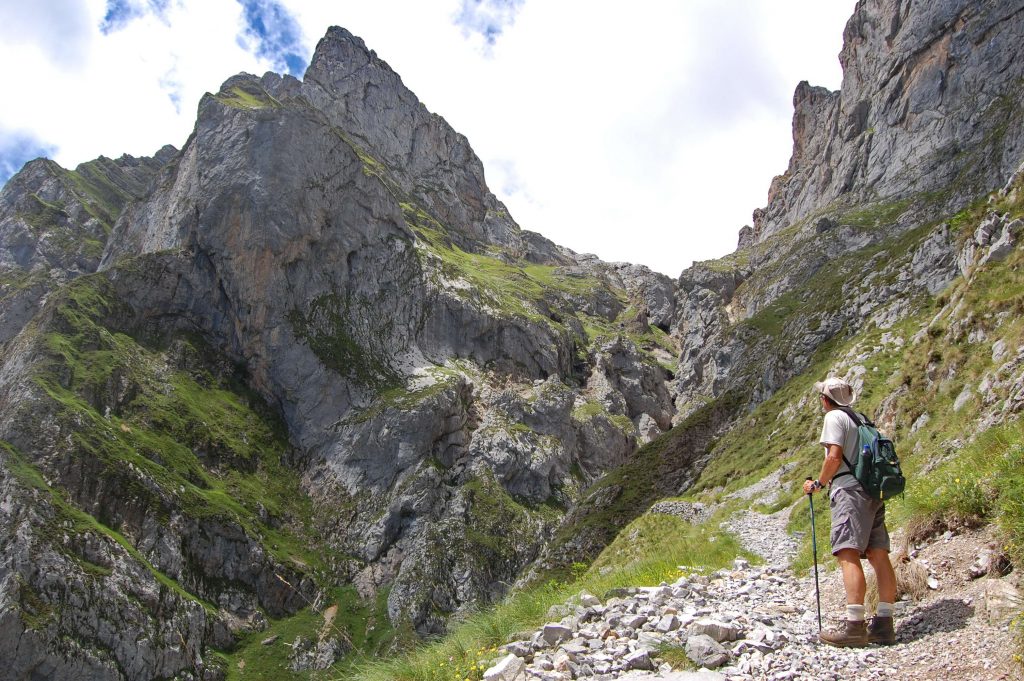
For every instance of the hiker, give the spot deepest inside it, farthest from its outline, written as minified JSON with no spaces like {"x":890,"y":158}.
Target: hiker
{"x":858,"y":524}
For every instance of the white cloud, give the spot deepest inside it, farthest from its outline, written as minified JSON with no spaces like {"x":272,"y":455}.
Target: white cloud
{"x":645,"y":134}
{"x":60,"y":30}
{"x":488,"y":18}
{"x":120,"y":96}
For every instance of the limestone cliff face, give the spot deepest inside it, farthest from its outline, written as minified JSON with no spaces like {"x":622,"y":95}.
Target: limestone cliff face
{"x":325,"y":252}
{"x":311,"y":348}
{"x":930,"y":103}
{"x":929,"y":117}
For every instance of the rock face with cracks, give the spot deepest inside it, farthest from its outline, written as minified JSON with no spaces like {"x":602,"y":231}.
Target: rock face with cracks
{"x":312,"y":348}
{"x":930,"y":102}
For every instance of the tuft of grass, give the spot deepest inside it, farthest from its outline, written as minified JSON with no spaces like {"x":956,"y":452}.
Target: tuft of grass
{"x":360,"y":624}
{"x":675,"y":655}
{"x":983,"y":483}
{"x":249,"y":98}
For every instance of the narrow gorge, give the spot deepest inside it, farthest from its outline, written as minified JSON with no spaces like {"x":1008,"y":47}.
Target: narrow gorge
{"x":309,"y":361}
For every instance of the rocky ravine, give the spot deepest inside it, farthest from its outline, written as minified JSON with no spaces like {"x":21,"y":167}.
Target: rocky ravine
{"x":760,"y":622}
{"x":312,"y":348}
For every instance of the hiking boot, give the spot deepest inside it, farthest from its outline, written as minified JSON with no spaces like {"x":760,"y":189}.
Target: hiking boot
{"x":881,"y":631}
{"x":854,"y":635}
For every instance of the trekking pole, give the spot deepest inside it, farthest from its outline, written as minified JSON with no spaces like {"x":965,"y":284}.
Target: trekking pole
{"x":814,"y":549}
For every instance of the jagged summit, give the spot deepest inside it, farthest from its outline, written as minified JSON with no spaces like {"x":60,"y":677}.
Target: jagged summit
{"x":928,"y":113}
{"x":312,"y":358}
{"x":363,"y":96}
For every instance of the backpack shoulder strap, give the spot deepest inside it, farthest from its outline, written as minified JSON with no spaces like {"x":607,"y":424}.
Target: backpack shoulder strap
{"x":858,"y":421}
{"x":858,"y":418}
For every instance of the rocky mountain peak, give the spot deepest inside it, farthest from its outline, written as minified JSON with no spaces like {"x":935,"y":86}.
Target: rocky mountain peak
{"x":317,"y":344}
{"x":340,"y":54}
{"x":362,"y":96}
{"x":928,"y":112}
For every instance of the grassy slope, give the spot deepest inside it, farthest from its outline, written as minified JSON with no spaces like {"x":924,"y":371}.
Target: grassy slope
{"x":981,"y":482}
{"x":179,"y":429}
{"x":924,"y":375}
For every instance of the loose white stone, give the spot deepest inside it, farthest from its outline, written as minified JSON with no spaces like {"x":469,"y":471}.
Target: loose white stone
{"x":506,"y":670}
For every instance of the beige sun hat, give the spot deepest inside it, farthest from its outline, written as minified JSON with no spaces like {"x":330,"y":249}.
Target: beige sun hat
{"x":836,"y":389}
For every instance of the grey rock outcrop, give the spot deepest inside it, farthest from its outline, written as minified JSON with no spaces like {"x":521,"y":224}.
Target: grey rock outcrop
{"x":435,"y":388}
{"x":54,"y":225}
{"x":992,"y":241}
{"x":930,"y":102}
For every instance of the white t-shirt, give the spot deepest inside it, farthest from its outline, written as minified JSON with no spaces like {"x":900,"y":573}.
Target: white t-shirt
{"x":839,"y":429}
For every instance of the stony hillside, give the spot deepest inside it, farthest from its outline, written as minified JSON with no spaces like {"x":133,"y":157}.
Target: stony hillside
{"x":845,"y":262}
{"x":309,"y":363}
{"x":309,"y":350}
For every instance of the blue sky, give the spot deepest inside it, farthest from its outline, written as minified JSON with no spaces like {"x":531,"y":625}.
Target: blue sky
{"x":645,"y":132}
{"x":18,"y":148}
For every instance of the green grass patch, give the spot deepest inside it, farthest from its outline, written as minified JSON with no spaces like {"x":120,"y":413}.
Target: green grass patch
{"x":402,"y":398}
{"x":880,"y":214}
{"x":361,"y":624}
{"x":980,"y":484}
{"x":184,"y":437}
{"x":92,"y":183}
{"x":15,"y":280}
{"x":592,"y":409}
{"x":515,"y":289}
{"x":654,"y":545}
{"x":250,"y":97}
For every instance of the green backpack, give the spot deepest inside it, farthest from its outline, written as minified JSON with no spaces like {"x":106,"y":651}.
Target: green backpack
{"x":877,"y":467}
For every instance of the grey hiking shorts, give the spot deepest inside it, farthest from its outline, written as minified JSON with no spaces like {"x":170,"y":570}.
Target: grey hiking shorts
{"x":858,"y":521}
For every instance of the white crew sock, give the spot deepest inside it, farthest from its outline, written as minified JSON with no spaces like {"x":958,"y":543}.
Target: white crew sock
{"x":884,"y":609}
{"x":855,"y":613}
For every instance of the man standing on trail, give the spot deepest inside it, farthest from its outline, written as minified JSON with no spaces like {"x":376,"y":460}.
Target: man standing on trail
{"x":858,"y":523}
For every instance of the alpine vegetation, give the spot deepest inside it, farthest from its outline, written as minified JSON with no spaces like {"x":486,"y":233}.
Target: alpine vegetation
{"x":302,"y":400}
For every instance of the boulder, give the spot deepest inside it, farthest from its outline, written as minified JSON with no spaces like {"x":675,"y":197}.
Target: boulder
{"x":706,"y":652}
{"x":509,"y":668}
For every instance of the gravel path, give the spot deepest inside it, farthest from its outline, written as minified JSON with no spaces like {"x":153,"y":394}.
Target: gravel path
{"x":759,"y":623}
{"x":946,"y":635}
{"x":764,"y":535}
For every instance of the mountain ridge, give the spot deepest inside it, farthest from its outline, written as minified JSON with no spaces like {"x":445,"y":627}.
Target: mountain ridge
{"x":448,"y":403}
